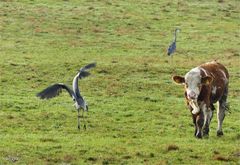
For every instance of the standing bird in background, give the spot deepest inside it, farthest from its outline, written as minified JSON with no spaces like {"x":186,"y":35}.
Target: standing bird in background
{"x":172,"y":47}
{"x":79,"y":102}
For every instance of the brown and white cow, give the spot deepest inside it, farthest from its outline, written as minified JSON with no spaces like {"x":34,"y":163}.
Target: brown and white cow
{"x":205,"y":85}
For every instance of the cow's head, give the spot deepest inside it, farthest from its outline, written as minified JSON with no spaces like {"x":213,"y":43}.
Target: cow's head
{"x":193,"y":82}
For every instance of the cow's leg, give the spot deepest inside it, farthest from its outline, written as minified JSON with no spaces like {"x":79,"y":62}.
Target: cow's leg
{"x":207,"y":119}
{"x":212,"y":110}
{"x":195,"y":124}
{"x":207,"y":112}
{"x":199,"y":125}
{"x":195,"y":133}
{"x":222,"y":105}
{"x":220,"y":117}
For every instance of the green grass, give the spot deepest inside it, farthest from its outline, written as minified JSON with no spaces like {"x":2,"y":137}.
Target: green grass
{"x":137,"y":114}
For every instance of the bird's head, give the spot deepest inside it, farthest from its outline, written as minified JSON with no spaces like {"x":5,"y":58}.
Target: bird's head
{"x":78,"y":72}
{"x":177,"y":30}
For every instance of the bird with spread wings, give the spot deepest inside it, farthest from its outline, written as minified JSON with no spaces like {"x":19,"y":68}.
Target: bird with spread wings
{"x":79,"y":102}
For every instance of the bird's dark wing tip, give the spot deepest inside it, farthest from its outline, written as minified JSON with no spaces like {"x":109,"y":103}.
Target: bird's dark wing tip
{"x":39,"y":96}
{"x":42,"y":96}
{"x":50,"y":92}
{"x":89,"y":66}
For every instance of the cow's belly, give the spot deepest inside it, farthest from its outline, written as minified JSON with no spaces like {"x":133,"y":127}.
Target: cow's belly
{"x":216,"y":95}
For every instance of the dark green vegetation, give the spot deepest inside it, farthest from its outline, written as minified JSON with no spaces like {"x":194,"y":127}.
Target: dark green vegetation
{"x":137,"y":114}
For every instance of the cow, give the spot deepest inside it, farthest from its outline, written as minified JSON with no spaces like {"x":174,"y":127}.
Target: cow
{"x":205,"y":85}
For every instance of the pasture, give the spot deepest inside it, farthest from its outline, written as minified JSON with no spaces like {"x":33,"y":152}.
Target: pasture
{"x":137,"y":115}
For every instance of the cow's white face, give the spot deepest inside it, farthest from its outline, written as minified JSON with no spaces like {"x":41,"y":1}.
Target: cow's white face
{"x":193,"y":84}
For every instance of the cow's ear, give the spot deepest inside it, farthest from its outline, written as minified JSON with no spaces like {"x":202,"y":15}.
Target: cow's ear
{"x":206,"y":80}
{"x":178,"y":79}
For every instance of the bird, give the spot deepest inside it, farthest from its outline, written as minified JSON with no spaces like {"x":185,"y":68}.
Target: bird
{"x":172,"y":47}
{"x":79,"y":102}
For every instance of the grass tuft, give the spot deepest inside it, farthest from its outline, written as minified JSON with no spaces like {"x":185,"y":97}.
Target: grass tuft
{"x":172,"y":147}
{"x":221,"y":158}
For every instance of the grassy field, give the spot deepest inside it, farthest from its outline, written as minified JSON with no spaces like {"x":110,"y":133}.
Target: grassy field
{"x":137,"y":115}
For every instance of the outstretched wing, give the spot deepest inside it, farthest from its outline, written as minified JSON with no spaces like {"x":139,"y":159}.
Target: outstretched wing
{"x":89,"y":66}
{"x":54,"y":90}
{"x":83,"y":71}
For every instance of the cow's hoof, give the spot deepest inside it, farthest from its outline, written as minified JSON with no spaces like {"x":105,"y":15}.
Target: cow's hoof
{"x":219,"y":133}
{"x":206,"y":136}
{"x":205,"y":133}
{"x":199,"y":136}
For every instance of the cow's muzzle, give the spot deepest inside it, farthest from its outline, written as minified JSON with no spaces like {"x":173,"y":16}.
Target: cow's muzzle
{"x":192,"y":95}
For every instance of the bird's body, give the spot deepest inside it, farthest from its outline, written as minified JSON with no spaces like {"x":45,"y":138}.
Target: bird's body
{"x":173,"y":45}
{"x":172,"y":48}
{"x":79,"y":102}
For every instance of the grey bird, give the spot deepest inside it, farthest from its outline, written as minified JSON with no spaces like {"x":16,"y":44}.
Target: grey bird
{"x":172,"y":46}
{"x":79,"y":103}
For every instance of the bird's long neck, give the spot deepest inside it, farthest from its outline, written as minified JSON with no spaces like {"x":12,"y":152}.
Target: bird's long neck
{"x":175,"y":35}
{"x":75,"y":85}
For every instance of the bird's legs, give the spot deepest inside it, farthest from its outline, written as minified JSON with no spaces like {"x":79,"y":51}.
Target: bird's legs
{"x":84,"y":121}
{"x":79,"y":119}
